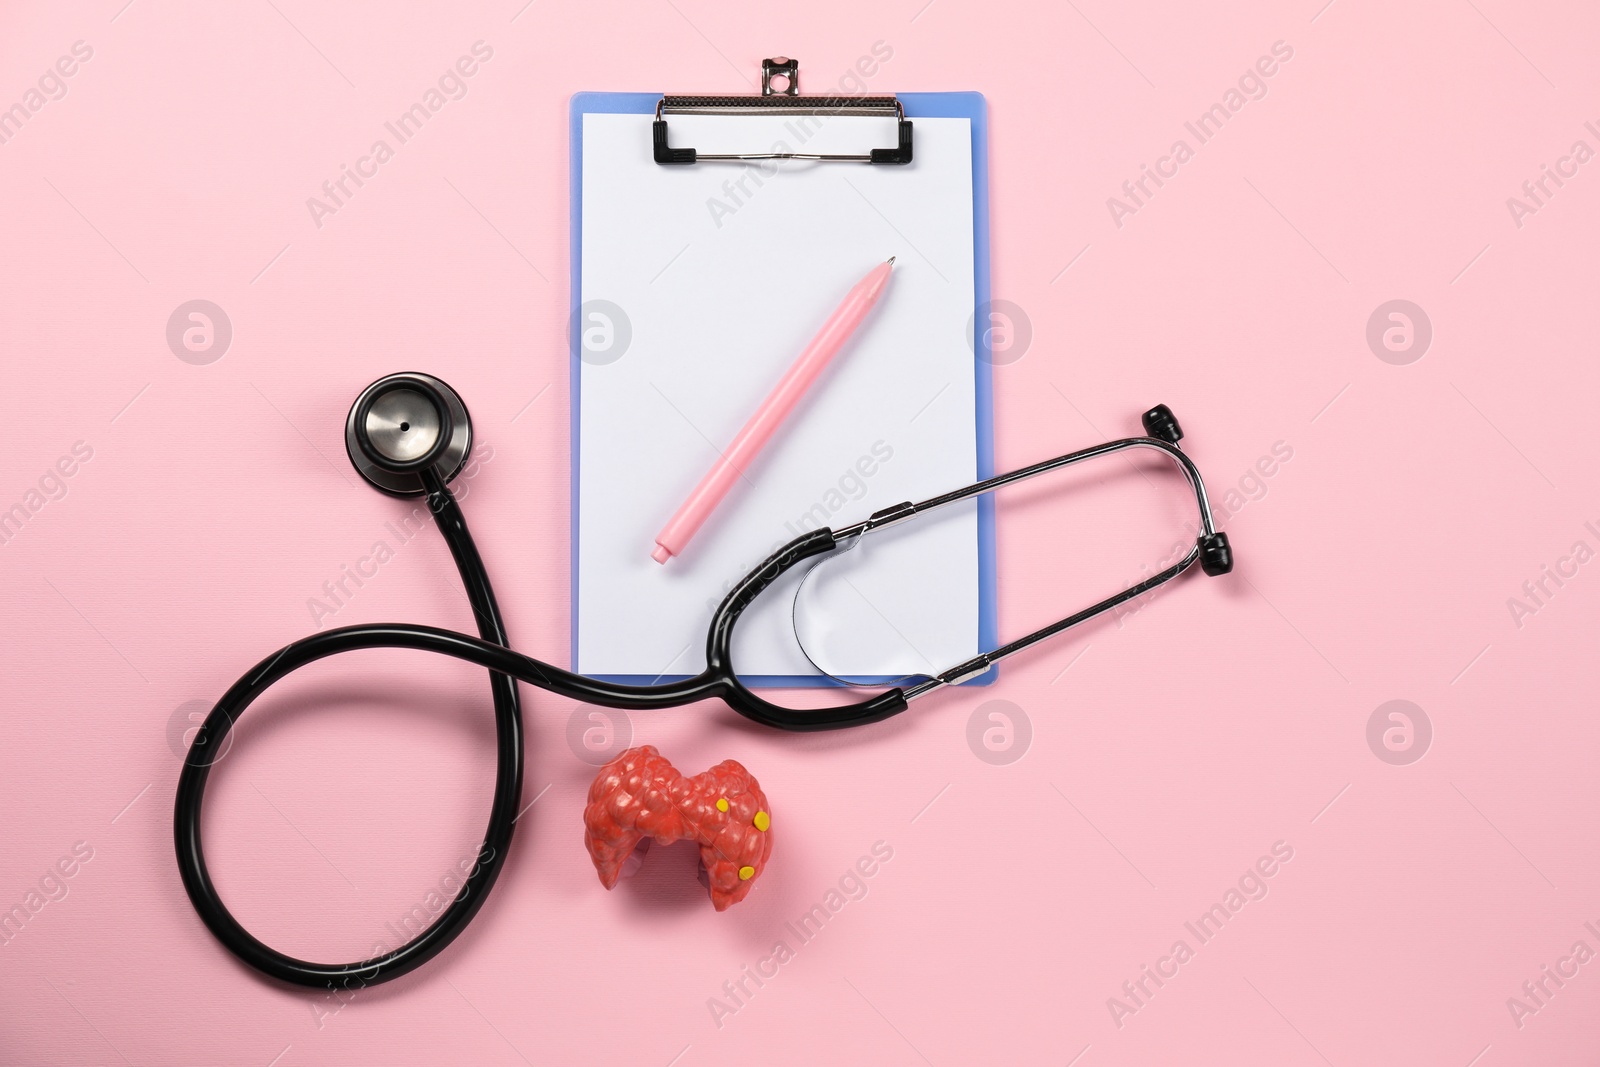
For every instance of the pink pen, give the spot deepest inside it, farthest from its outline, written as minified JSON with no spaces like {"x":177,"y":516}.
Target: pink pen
{"x":823,"y":347}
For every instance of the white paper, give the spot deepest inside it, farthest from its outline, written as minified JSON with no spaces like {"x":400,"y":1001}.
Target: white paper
{"x":724,"y":272}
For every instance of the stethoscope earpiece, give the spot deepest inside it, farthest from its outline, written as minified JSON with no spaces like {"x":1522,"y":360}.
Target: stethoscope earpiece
{"x":1160,"y":423}
{"x":404,"y":424}
{"x":1216,"y":555}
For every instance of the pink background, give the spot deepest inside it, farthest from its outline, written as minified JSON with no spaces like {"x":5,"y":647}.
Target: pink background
{"x":1167,"y":753}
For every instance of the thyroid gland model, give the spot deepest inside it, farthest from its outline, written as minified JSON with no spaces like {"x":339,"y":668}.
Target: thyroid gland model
{"x":641,"y":797}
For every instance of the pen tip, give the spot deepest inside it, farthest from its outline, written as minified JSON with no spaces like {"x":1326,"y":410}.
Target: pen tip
{"x":891,"y":260}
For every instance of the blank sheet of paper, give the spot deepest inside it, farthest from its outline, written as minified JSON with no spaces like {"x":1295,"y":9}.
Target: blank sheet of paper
{"x":699,"y":285}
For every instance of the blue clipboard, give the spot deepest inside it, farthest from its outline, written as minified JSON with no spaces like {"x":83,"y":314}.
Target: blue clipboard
{"x":967,"y":105}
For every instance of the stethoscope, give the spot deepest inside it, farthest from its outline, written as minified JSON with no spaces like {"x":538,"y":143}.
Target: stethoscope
{"x":409,"y":435}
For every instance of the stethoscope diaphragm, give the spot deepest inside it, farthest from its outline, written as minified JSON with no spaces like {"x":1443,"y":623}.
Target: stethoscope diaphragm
{"x":404,"y":423}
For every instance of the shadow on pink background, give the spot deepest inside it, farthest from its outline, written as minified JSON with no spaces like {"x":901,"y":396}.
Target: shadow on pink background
{"x":1388,"y":506}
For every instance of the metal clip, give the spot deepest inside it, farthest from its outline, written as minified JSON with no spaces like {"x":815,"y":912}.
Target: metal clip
{"x":785,"y":101}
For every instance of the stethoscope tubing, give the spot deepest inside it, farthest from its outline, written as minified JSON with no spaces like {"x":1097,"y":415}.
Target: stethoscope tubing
{"x":490,"y":650}
{"x":503,"y":809}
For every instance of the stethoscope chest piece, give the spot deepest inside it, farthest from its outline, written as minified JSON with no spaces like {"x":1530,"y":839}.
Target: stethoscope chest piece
{"x":402,"y":424}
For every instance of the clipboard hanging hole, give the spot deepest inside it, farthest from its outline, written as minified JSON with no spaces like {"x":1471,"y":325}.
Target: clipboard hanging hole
{"x":780,"y":76}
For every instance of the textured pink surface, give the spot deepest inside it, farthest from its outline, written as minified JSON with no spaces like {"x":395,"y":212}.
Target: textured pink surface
{"x":1384,"y":517}
{"x":640,"y":794}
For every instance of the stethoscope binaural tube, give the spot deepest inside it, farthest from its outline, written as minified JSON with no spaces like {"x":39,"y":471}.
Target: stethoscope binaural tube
{"x":394,"y":407}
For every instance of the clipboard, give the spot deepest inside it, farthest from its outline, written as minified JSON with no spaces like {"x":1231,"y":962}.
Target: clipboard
{"x":672,"y":142}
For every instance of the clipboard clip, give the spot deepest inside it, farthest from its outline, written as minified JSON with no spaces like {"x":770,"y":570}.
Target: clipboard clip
{"x":781,"y":98}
